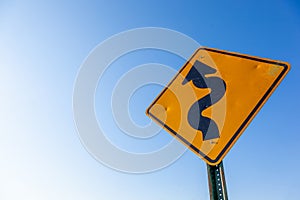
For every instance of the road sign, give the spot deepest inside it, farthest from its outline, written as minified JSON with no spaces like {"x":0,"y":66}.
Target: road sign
{"x":213,"y":98}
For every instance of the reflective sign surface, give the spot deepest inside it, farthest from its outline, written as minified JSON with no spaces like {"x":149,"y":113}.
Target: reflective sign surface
{"x":213,"y":98}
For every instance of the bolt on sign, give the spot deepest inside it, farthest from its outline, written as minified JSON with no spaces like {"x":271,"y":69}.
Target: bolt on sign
{"x":213,"y":98}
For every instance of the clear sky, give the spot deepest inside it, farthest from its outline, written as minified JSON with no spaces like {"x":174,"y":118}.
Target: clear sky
{"x":42,"y":46}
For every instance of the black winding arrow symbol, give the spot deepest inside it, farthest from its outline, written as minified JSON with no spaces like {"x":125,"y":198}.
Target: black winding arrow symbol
{"x":197,"y":75}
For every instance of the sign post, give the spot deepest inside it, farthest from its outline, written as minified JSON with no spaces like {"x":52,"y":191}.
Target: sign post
{"x":211,"y":101}
{"x":216,"y":182}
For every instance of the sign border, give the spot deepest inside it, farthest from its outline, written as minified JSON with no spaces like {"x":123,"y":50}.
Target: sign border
{"x":246,"y":122}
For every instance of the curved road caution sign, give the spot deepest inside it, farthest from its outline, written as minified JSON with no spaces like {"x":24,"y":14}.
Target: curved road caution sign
{"x":213,"y":98}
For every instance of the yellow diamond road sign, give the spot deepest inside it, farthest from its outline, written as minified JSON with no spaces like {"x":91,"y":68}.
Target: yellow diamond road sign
{"x":213,"y":98}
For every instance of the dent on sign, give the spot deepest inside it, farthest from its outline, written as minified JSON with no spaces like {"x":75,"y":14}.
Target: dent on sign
{"x":213,"y":98}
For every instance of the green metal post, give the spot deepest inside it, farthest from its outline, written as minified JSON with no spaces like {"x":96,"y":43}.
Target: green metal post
{"x":216,"y":181}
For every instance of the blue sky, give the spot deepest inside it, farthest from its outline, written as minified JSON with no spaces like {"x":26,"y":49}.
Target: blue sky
{"x":42,"y":46}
